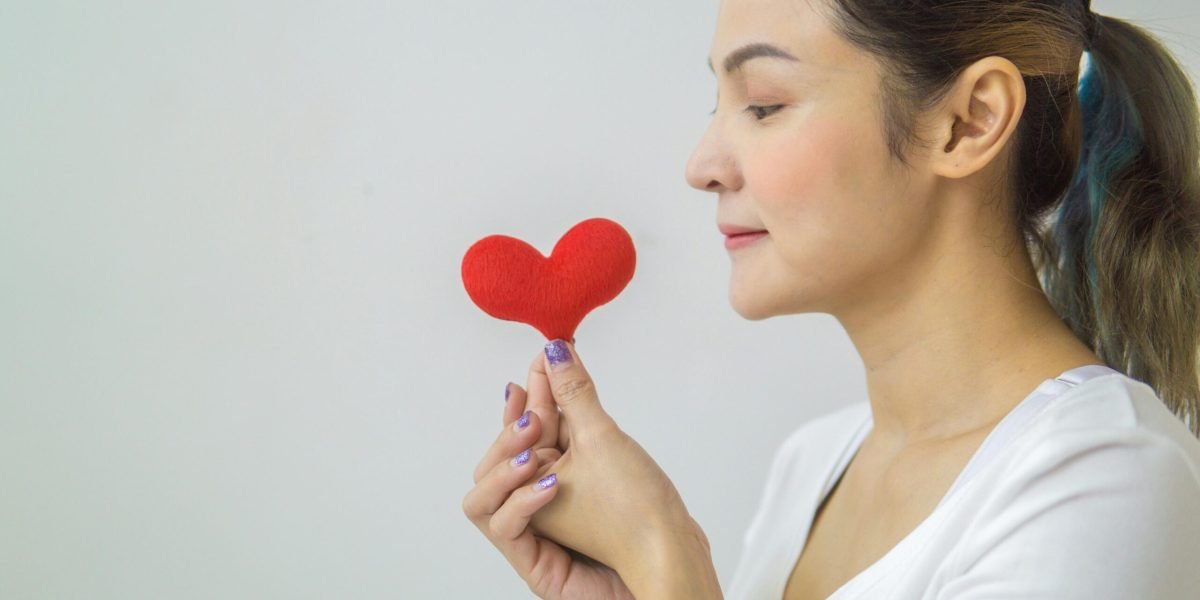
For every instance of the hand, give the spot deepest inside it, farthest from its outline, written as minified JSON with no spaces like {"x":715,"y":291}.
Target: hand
{"x":504,"y":498}
{"x":616,"y":505}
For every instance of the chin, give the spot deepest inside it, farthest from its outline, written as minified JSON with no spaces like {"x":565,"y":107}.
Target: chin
{"x":751,"y":309}
{"x":770,"y":287}
{"x":752,"y":316}
{"x":755,"y":304}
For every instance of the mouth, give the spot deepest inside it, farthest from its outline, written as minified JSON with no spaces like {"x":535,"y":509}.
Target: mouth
{"x":740,"y":240}
{"x":731,"y":229}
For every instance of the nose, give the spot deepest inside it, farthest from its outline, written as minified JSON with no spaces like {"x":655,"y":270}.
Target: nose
{"x":711,"y":166}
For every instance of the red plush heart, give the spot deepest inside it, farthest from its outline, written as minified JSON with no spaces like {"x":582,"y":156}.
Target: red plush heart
{"x":511,"y":280}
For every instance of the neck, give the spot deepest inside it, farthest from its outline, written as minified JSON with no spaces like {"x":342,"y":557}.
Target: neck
{"x":956,"y":340}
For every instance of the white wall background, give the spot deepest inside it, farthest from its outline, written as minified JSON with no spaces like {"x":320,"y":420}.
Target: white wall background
{"x":236,"y":357}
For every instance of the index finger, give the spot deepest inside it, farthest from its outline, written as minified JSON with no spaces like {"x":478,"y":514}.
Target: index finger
{"x":540,"y":400}
{"x":514,"y":403}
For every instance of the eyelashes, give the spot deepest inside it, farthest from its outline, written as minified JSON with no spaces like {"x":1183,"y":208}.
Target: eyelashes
{"x":759,"y":112}
{"x":762,"y":112}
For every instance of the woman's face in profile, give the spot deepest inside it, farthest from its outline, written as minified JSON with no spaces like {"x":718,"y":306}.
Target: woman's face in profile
{"x":796,"y":147}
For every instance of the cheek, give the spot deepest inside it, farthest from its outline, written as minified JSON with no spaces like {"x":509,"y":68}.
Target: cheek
{"x":818,"y":181}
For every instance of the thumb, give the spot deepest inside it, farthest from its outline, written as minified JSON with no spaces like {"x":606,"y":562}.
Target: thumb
{"x":572,"y":388}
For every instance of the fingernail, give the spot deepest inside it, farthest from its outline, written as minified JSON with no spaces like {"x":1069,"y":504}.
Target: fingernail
{"x":547,"y":482}
{"x":522,"y":423}
{"x":522,"y":458}
{"x":558,"y":354}
{"x":506,"y":391}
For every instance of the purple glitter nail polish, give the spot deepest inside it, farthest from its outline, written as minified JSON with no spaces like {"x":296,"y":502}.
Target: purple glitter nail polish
{"x":547,"y":481}
{"x":506,"y":391}
{"x":558,"y":353}
{"x":523,"y":422}
{"x":522,"y":458}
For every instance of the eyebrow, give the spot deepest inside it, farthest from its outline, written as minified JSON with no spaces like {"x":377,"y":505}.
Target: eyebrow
{"x":735,"y":59}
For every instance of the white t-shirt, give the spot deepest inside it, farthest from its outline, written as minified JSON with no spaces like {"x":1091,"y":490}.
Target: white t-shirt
{"x":1089,"y":488}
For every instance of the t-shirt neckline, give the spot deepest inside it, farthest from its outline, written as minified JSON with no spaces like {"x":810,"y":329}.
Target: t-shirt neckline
{"x":1009,"y":427}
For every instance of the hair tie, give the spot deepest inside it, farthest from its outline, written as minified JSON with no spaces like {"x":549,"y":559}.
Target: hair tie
{"x":1091,"y":25}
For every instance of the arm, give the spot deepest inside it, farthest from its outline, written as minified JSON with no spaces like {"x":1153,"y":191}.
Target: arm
{"x":677,"y":564}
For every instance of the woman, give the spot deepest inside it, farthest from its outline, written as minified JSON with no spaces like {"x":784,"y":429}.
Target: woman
{"x":912,"y":169}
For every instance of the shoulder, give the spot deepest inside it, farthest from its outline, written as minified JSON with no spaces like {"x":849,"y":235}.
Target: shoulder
{"x":800,"y":460}
{"x":812,"y":448}
{"x":824,"y":434}
{"x":1102,"y":488}
{"x":1111,"y":416}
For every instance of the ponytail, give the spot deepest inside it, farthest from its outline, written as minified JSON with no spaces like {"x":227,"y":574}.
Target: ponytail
{"x":1121,"y":262}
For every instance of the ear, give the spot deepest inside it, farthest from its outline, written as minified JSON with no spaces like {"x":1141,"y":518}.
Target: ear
{"x":978,"y":116}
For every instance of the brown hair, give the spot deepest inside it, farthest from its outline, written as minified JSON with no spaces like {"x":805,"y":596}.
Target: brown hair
{"x":1105,"y":168}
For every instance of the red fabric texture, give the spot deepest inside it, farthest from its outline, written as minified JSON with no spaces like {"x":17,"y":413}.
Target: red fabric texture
{"x":589,"y":266}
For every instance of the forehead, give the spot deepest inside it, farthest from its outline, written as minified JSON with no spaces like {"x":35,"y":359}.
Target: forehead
{"x":798,"y":27}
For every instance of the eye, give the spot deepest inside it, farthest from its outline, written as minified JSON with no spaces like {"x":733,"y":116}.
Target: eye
{"x":762,"y":112}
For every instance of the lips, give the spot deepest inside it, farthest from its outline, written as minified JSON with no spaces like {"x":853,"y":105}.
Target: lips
{"x":735,"y":230}
{"x":741,"y":240}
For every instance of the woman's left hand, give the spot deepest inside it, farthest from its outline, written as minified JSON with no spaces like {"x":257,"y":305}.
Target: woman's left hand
{"x":614,"y":504}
